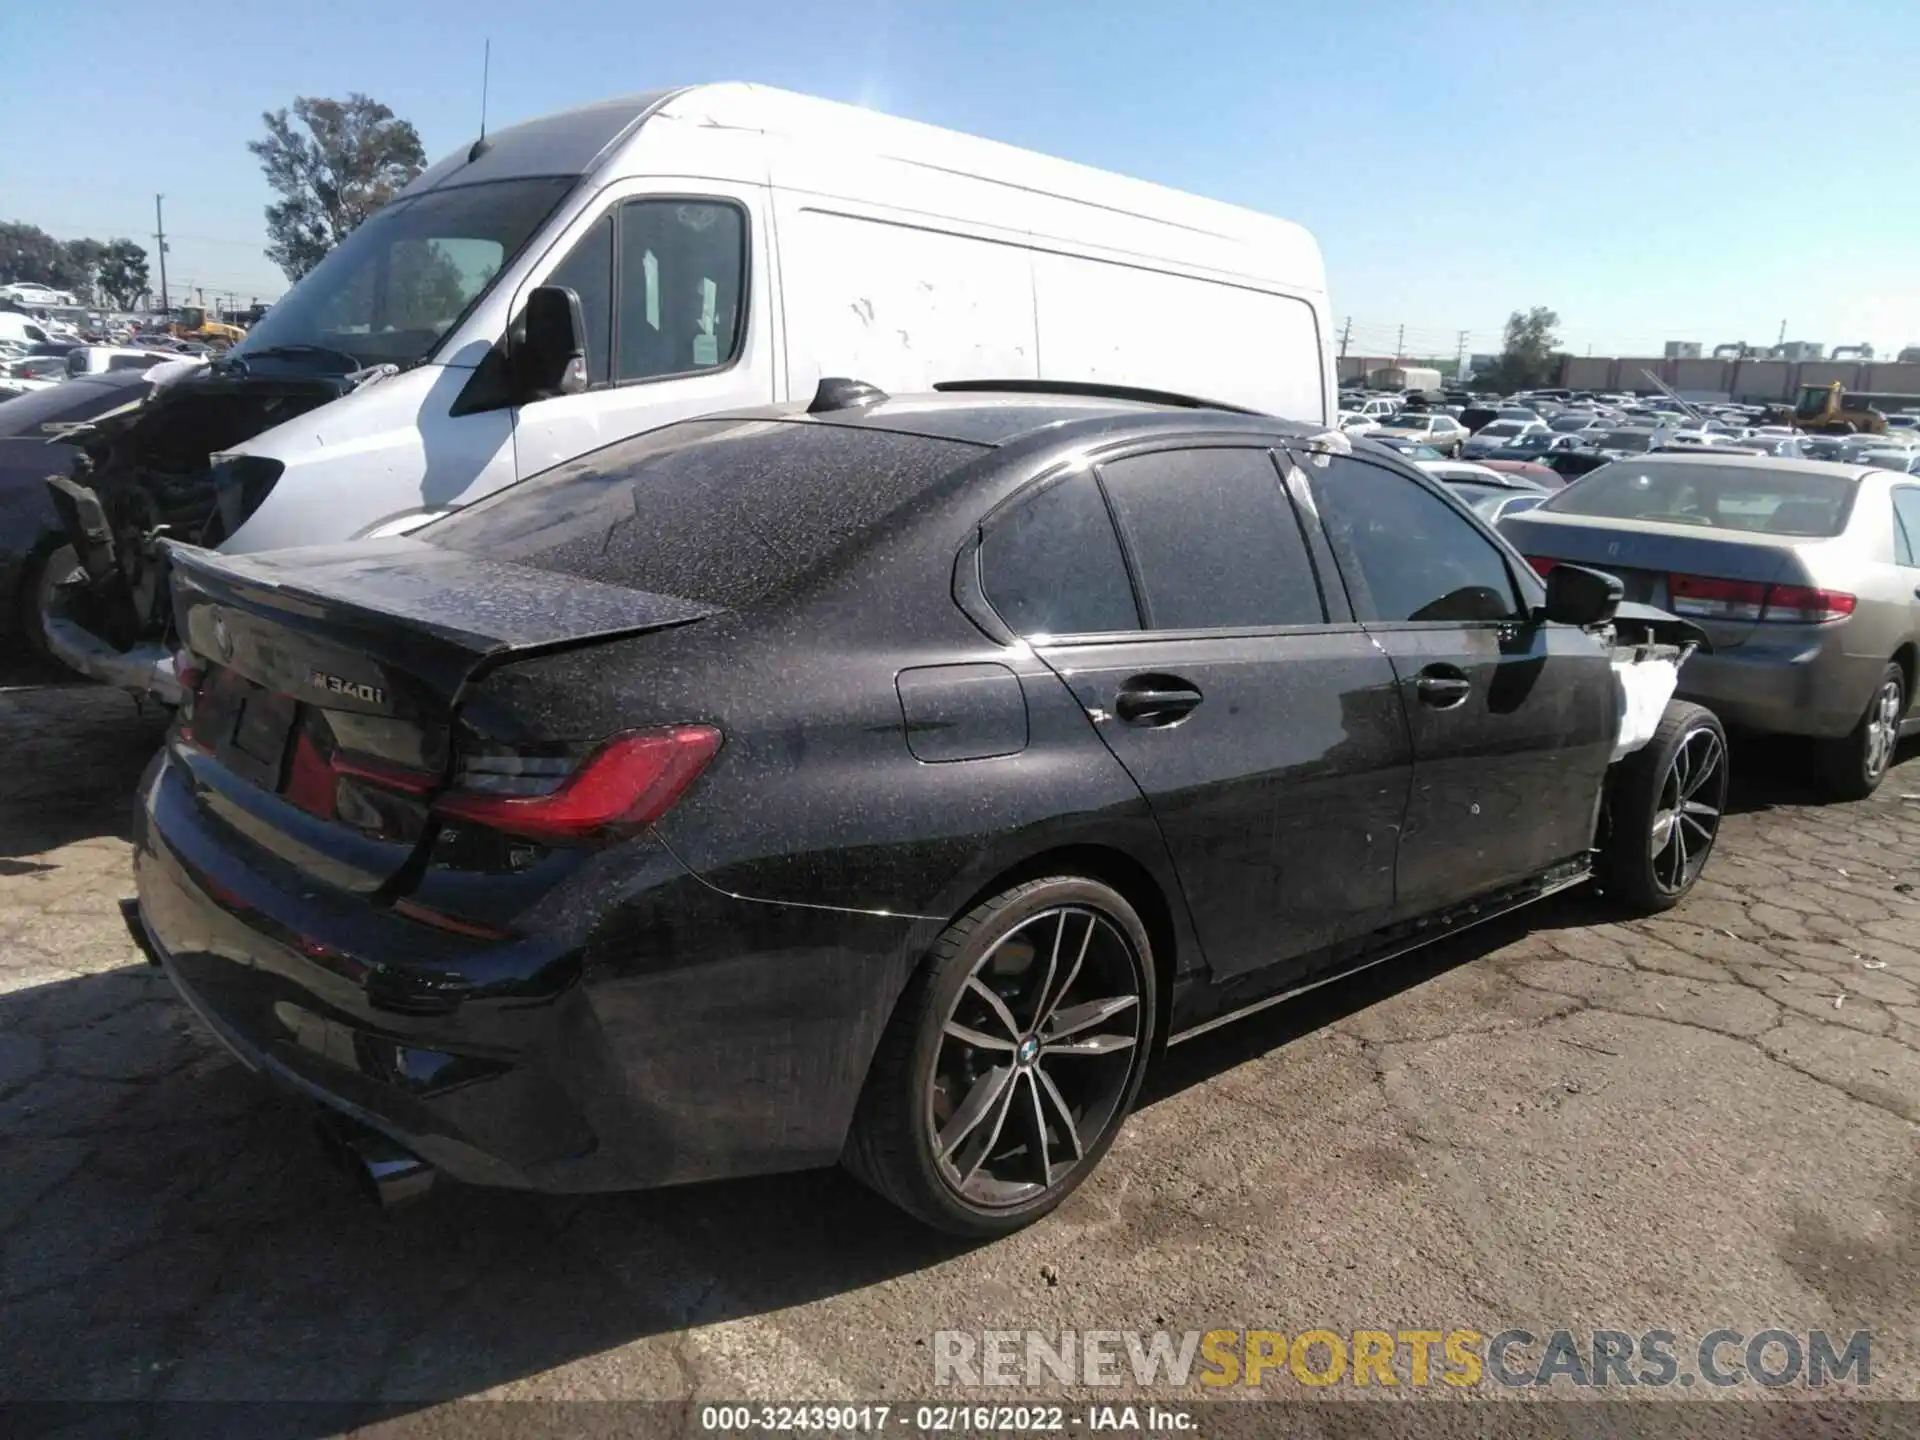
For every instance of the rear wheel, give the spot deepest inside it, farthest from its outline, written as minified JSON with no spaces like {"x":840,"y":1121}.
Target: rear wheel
{"x":1011,"y":1059}
{"x":1856,"y":765}
{"x":1665,"y":802}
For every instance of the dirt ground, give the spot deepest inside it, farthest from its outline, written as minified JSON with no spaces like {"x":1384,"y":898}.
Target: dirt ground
{"x":1701,"y":1121}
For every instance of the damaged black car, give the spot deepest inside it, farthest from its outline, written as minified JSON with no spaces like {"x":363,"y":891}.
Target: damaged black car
{"x":884,"y":784}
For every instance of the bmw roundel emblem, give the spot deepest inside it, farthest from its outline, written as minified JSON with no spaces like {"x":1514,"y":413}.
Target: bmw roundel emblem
{"x":222,"y":637}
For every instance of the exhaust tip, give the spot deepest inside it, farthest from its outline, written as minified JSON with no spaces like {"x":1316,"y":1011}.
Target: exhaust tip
{"x":384,"y":1171}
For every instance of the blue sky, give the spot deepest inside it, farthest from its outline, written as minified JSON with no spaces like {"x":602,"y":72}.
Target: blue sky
{"x":1697,"y":170}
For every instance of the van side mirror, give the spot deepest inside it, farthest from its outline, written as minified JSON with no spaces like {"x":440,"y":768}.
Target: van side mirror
{"x":550,"y":357}
{"x":1583,"y":597}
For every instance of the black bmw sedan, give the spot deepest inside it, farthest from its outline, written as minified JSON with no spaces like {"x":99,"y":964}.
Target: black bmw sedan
{"x":883,"y":782}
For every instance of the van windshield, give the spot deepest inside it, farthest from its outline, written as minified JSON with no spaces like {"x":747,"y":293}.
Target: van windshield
{"x":394,"y":287}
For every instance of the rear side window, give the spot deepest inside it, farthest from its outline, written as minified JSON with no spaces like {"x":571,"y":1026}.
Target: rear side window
{"x":1416,"y":557}
{"x":1214,"y":540}
{"x":1052,"y":566}
{"x":725,"y":511}
{"x":1761,"y":497}
{"x":1906,"y":526}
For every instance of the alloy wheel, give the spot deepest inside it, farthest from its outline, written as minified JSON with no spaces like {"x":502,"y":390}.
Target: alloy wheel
{"x":1035,"y":1056}
{"x":1883,"y":729}
{"x":1687,"y":818}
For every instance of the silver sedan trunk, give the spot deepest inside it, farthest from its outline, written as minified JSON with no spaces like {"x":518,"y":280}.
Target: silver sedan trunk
{"x":1803,"y":575}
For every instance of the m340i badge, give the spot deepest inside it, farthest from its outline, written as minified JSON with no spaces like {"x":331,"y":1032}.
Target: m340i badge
{"x":334,"y":684}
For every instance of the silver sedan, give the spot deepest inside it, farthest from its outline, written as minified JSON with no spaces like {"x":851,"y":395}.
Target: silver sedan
{"x":1804,"y":575}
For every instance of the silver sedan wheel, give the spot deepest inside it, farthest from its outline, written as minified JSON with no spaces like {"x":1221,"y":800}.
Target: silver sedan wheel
{"x":1036,"y":1056}
{"x":1883,"y":729}
{"x":1687,"y":818}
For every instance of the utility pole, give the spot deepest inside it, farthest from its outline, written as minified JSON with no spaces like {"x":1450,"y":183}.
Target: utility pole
{"x":1346,"y":334}
{"x":1783,"y":334}
{"x":1460,"y":355}
{"x":1400,"y":343}
{"x":160,"y":243}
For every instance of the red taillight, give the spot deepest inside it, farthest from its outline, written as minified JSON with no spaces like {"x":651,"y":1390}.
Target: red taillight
{"x":1703,"y":597}
{"x":625,"y":785}
{"x":1803,"y":605}
{"x":1542,"y":566}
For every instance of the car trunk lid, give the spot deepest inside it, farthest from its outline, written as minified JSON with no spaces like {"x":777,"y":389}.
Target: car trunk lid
{"x":325,"y":684}
{"x":1646,"y":556}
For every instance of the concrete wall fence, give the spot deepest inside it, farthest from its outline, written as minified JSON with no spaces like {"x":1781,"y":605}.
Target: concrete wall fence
{"x":1754,"y":380}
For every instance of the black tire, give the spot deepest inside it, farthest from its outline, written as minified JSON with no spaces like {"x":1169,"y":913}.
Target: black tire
{"x":1854,"y":767}
{"x":895,"y":1142}
{"x":43,"y":572}
{"x":1664,"y":805}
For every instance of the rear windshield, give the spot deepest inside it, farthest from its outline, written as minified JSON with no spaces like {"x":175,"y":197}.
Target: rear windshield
{"x":1725,"y":497}
{"x":1626,"y":440}
{"x":723,"y":511}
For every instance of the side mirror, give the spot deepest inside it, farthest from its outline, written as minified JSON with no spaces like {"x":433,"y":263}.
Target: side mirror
{"x":550,"y":357}
{"x":1583,"y":597}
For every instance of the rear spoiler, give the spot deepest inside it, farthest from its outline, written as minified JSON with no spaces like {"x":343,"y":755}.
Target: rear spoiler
{"x":439,"y":615}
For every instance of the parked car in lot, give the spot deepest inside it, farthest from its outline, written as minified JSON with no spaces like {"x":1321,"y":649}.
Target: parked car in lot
{"x":1630,"y":440}
{"x":1905,"y":462}
{"x":1494,"y":438}
{"x":1803,"y":574}
{"x":1407,"y":449}
{"x":1443,"y":432}
{"x":1536,"y":472}
{"x":591,"y":838}
{"x":1785,"y":446}
{"x":1355,"y":423}
{"x":35,"y":443}
{"x":1573,"y":422}
{"x":32,"y":292}
{"x":1490,"y":494}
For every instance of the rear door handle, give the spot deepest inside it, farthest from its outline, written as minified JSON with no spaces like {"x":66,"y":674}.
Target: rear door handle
{"x":1443,"y":687}
{"x":1155,"y":700}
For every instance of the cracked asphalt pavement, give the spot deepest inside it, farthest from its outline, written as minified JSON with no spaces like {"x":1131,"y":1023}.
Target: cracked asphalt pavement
{"x":1707,"y":1119}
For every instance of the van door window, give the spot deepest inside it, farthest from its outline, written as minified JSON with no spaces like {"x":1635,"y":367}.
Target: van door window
{"x":588,"y":272}
{"x":682,"y":270}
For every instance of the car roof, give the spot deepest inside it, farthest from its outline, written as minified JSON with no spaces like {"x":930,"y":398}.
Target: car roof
{"x":996,"y":418}
{"x":1772,"y":464}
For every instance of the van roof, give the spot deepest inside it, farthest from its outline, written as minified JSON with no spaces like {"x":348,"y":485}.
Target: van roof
{"x":582,"y":140}
{"x":567,"y":142}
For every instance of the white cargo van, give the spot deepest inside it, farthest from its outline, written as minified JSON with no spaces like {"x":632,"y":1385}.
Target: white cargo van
{"x":727,"y":245}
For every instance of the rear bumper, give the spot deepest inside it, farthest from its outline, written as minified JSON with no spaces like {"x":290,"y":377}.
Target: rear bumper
{"x":686,"y":1035}
{"x":1804,"y":684}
